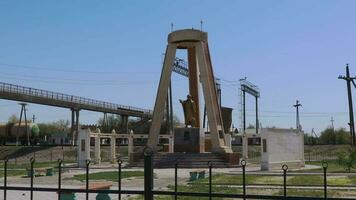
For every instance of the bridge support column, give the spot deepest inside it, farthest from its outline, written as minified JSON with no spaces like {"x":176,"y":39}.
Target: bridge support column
{"x":125,"y":124}
{"x":97,"y":157}
{"x":76,"y":126}
{"x":72,"y":130}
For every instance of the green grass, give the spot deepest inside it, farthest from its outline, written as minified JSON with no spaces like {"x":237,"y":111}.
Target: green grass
{"x":13,"y":173}
{"x":226,"y":179}
{"x":36,"y":165}
{"x":333,"y":166}
{"x":109,"y":176}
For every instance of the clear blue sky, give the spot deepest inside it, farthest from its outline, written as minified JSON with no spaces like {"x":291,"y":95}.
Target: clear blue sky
{"x":112,"y":50}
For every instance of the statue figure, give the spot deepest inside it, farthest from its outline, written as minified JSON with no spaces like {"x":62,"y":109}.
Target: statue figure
{"x":189,"y":111}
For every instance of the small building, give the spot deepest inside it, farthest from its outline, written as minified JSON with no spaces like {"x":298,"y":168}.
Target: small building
{"x":282,"y":146}
{"x":58,"y":139}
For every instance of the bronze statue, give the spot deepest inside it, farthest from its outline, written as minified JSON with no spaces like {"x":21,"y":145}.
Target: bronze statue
{"x":189,"y":111}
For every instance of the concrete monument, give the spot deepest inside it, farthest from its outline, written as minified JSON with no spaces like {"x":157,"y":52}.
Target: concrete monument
{"x":282,"y":146}
{"x":200,"y":71}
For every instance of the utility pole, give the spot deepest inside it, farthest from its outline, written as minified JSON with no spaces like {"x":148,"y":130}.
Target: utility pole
{"x":348,"y":80}
{"x":33,"y":118}
{"x":297,"y":105}
{"x":332,"y":123}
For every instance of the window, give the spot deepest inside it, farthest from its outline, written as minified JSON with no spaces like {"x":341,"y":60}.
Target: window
{"x":264,"y":145}
{"x":83,"y":145}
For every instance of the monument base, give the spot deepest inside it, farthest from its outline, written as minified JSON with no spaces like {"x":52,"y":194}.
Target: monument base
{"x":190,"y":140}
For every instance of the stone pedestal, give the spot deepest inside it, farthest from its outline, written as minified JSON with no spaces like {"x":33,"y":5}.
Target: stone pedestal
{"x":189,"y":140}
{"x":83,"y":147}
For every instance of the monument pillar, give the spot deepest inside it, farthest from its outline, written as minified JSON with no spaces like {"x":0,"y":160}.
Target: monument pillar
{"x":193,"y":83}
{"x":83,"y":147}
{"x":200,"y":66}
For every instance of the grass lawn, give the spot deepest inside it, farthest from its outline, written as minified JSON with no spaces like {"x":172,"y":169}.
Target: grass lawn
{"x":109,"y":176}
{"x":333,"y":166}
{"x":36,"y":165}
{"x":225,"y":179}
{"x":13,"y":173}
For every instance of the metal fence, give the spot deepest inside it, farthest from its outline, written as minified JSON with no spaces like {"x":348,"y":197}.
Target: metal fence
{"x":148,"y":191}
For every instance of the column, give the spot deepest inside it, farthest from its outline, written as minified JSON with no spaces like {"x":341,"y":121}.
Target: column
{"x":171,"y":144}
{"x":130,"y":149}
{"x":83,"y":147}
{"x":244,"y":146}
{"x":76,"y":125}
{"x":72,"y":129}
{"x":113,"y":149}
{"x":97,"y":149}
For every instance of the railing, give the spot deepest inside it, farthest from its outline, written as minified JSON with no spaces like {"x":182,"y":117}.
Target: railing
{"x":149,"y":192}
{"x":16,"y":89}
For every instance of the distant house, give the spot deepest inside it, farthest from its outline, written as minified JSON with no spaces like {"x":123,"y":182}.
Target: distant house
{"x":58,"y":139}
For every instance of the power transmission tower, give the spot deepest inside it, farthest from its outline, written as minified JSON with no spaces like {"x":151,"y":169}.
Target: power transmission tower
{"x":350,"y":80}
{"x":297,"y":105}
{"x":23,"y":110}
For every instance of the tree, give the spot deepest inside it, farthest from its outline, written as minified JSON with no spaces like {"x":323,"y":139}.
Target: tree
{"x":342,"y":137}
{"x":348,"y":159}
{"x":60,"y":126}
{"x":331,"y":136}
{"x":112,"y":122}
{"x":13,"y":119}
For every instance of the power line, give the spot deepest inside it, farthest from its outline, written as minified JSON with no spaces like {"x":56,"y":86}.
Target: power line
{"x":31,"y":67}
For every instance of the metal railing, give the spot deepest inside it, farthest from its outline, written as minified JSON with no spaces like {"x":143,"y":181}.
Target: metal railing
{"x":148,"y":192}
{"x":16,"y":89}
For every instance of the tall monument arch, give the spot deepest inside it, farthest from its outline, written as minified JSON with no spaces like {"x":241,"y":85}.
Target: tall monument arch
{"x":200,"y":67}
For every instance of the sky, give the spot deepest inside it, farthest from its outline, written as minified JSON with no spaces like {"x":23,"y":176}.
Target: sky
{"x":112,"y":51}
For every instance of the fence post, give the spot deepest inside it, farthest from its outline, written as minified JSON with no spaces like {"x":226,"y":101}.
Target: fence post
{"x":175,"y":180}
{"x":5,"y":177}
{"x":59,"y":178}
{"x":210,"y":164}
{"x":32,"y":160}
{"x":285,"y":168}
{"x":325,"y":166}
{"x":243,"y":164}
{"x":87,"y":180}
{"x":119,"y":162}
{"x":148,"y":173}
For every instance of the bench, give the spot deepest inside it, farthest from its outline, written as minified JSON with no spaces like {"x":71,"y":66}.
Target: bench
{"x":196,"y":174}
{"x":92,"y":186}
{"x":40,"y":172}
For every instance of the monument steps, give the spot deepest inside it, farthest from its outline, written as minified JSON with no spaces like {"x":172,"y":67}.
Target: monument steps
{"x":187,"y":160}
